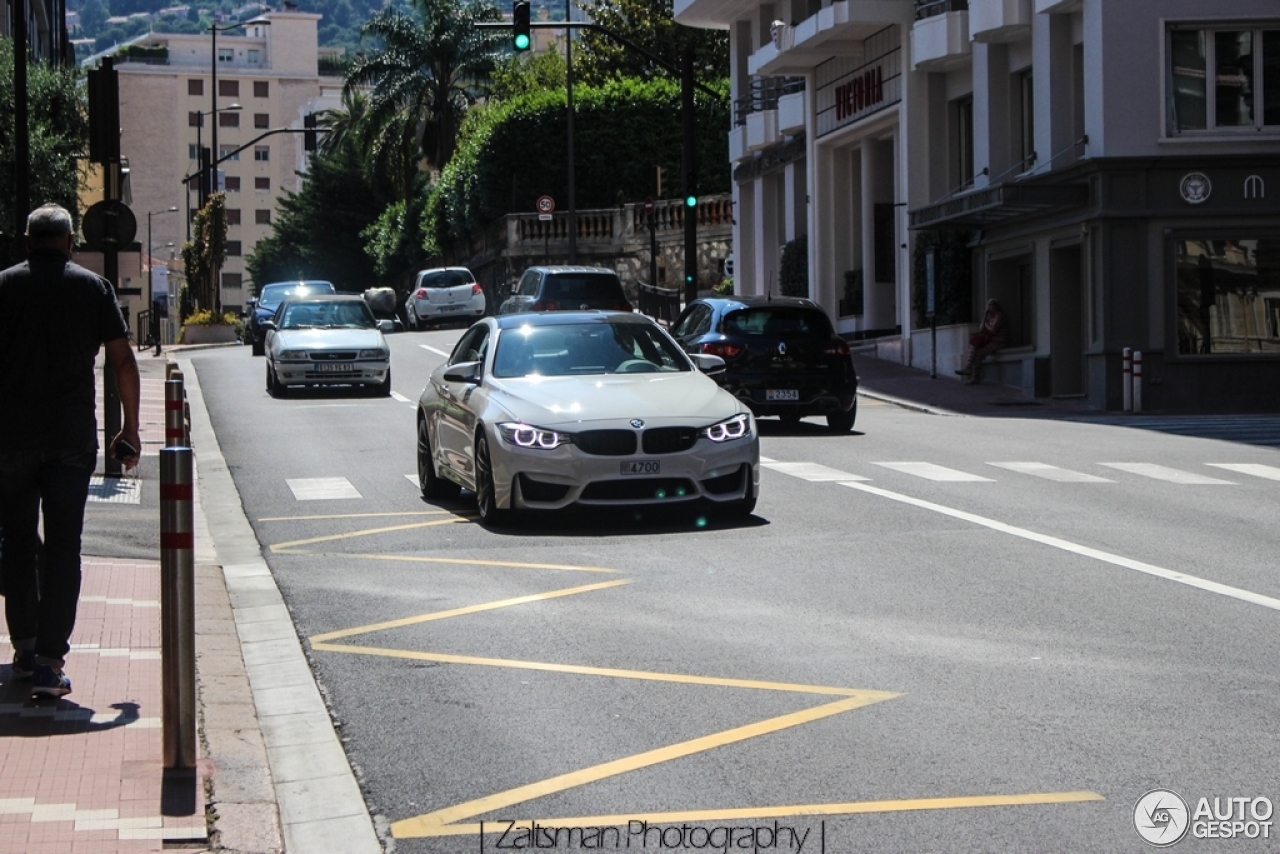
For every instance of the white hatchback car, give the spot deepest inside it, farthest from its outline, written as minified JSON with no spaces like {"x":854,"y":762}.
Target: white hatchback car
{"x":443,"y":294}
{"x":545,"y":410}
{"x":327,"y":340}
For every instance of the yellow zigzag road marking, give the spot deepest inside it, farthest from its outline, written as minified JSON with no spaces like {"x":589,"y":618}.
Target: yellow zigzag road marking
{"x":356,"y":516}
{"x":758,"y":813}
{"x":281,"y":548}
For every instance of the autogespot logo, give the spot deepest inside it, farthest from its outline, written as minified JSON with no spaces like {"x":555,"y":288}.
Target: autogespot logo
{"x":1161,"y":817}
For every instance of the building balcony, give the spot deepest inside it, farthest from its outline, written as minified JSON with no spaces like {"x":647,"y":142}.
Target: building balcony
{"x":791,"y":113}
{"x":762,"y":130}
{"x":738,"y":144}
{"x":837,"y":29}
{"x":1055,"y":7}
{"x":993,"y":21}
{"x":940,"y":42}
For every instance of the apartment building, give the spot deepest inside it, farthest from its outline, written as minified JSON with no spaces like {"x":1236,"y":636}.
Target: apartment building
{"x":272,"y":73}
{"x":1099,"y":167}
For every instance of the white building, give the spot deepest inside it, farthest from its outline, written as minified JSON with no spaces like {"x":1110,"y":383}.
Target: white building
{"x":1099,"y":166}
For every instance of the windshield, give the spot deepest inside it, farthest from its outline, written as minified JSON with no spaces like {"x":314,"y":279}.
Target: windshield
{"x":273,"y":295}
{"x":586,"y":348}
{"x":447,"y":279}
{"x":582,"y":286}
{"x":778,"y":323}
{"x":354,"y":314}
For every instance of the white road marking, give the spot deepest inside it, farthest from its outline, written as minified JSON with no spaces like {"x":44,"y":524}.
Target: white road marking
{"x":765,"y":459}
{"x":1075,"y":548}
{"x":321,"y":488}
{"x":1049,"y":472}
{"x":1255,"y":469}
{"x":434,"y":350}
{"x":395,"y":395}
{"x":1165,"y":473}
{"x":929,"y":471}
{"x":413,"y":478}
{"x":812,"y":471}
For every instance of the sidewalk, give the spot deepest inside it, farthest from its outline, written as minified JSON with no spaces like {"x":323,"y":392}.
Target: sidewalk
{"x":85,"y":773}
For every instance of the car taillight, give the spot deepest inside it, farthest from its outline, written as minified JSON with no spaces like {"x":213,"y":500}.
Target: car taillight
{"x":422,"y":293}
{"x":543,"y":306}
{"x":840,"y":349}
{"x":476,"y":290}
{"x":721,"y":349}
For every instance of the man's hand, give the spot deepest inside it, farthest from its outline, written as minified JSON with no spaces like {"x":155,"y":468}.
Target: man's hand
{"x":131,"y":437}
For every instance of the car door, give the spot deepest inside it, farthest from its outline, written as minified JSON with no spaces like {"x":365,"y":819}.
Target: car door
{"x":455,"y":422}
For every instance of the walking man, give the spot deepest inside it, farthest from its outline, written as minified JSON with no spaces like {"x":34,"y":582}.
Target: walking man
{"x":54,"y":315}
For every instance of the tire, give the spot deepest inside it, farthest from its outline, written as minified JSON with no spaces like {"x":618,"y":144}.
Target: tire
{"x":842,"y":422}
{"x":432,"y":485}
{"x":486,"y":493}
{"x":413,"y":320}
{"x":258,"y":346}
{"x":384,"y":390}
{"x":739,"y":510}
{"x":276,"y":388}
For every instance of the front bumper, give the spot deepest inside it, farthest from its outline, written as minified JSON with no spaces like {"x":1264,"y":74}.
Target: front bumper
{"x":551,"y":480}
{"x":310,"y":374}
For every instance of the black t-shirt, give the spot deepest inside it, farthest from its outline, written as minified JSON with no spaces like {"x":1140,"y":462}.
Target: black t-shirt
{"x":54,"y":315}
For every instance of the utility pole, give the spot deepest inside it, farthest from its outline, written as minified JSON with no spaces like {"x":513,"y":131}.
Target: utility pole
{"x":689,"y":165}
{"x":568,"y":74}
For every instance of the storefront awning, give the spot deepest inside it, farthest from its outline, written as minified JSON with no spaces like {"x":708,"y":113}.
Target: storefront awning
{"x":997,"y":204}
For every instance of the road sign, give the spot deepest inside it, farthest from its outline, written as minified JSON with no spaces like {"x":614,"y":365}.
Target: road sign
{"x":546,"y":204}
{"x":544,"y":217}
{"x":108,"y":222}
{"x":648,"y":204}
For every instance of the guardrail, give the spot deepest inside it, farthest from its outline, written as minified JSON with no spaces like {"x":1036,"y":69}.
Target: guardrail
{"x":929,"y":8}
{"x":662,"y":304}
{"x":763,"y":94}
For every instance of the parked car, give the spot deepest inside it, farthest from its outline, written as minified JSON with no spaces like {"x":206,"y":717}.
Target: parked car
{"x":782,"y":356}
{"x":263,"y":306}
{"x":566,"y":289}
{"x":327,"y":340}
{"x":590,"y":408}
{"x":444,"y":293}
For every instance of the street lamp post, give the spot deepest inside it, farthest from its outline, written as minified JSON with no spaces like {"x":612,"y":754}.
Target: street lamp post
{"x":151,"y":284}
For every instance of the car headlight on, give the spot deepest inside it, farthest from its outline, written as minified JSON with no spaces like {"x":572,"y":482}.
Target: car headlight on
{"x":729,"y":429}
{"x":526,"y":436}
{"x":373,"y":354}
{"x":293,"y":355}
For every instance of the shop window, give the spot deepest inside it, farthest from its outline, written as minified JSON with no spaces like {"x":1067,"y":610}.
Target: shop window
{"x":261,"y":88}
{"x":262,"y":217}
{"x":1223,"y":78}
{"x":886,"y":243}
{"x":195,"y":87}
{"x":229,"y":88}
{"x":1228,"y":294}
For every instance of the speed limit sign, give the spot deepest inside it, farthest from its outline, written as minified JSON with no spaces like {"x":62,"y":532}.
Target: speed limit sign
{"x":546,"y":204}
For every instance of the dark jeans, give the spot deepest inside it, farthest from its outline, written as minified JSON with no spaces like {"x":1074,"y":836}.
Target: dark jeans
{"x":43,"y":605}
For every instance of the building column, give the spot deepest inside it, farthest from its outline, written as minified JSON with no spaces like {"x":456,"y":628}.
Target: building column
{"x":766,"y":249}
{"x":992,"y":131}
{"x":1053,"y":65}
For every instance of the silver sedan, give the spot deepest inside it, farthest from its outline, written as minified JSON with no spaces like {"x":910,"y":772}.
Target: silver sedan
{"x":327,"y":340}
{"x":590,"y":408}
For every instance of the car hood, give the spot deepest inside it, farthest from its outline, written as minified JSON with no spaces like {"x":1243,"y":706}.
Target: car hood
{"x":674,"y":398}
{"x":328,"y":339}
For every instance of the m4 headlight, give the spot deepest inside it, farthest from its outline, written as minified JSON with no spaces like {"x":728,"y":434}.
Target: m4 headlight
{"x":293,"y":355}
{"x":373,"y":354}
{"x":534,"y":438}
{"x":731,"y":428}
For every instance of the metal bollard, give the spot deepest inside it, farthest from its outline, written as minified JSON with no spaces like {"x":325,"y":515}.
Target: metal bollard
{"x":1137,"y":381}
{"x":175,"y":431}
{"x":177,"y":608}
{"x":1126,"y":379}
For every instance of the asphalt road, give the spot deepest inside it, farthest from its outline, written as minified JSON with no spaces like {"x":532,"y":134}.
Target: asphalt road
{"x":936,"y":634}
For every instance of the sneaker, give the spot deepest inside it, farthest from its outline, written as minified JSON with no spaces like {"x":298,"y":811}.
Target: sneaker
{"x":24,"y":663}
{"x":49,"y":682}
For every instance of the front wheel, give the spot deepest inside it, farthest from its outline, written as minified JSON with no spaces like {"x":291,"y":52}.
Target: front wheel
{"x":432,"y":485}
{"x":384,"y":389}
{"x":842,"y":422}
{"x":486,"y":493}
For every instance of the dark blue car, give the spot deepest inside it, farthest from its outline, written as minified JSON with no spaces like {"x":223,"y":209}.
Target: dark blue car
{"x":264,"y":305}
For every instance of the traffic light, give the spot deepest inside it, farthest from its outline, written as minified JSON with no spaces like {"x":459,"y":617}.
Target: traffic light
{"x":520,"y":23}
{"x":690,"y":190}
{"x":309,"y":132}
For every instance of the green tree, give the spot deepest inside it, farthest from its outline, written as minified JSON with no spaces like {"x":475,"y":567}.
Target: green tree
{"x":204,"y":255}
{"x":93,"y":16}
{"x":59,"y":133}
{"x":317,"y":233}
{"x":431,"y":68}
{"x":529,"y":72}
{"x":649,"y":25}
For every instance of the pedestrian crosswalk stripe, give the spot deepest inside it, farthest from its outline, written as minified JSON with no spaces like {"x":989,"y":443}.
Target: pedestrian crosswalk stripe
{"x":1255,"y":469}
{"x":812,"y":471}
{"x":1049,"y":472}
{"x":930,"y":471}
{"x":1167,"y":474}
{"x":321,"y":488}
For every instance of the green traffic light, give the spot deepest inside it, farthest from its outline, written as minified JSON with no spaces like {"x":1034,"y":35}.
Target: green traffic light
{"x":522,"y":42}
{"x":690,"y":201}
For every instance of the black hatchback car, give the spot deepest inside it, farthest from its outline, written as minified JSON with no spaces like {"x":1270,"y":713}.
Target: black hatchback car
{"x":782,"y":356}
{"x":566,"y":288}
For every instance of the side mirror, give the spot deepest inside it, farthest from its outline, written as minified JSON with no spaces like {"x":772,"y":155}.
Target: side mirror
{"x":707,"y":363}
{"x":386,"y":326}
{"x":268,"y":324}
{"x":463,"y":372}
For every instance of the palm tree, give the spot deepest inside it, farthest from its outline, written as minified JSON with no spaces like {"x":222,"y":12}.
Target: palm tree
{"x":431,"y":69}
{"x":343,"y":123}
